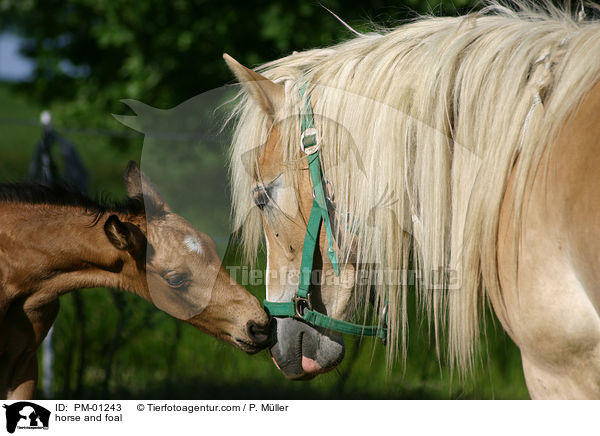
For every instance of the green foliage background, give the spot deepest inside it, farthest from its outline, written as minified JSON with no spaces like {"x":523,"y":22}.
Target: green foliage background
{"x":89,"y":54}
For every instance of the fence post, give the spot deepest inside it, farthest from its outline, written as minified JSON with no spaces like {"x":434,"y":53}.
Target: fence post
{"x":47,"y":348}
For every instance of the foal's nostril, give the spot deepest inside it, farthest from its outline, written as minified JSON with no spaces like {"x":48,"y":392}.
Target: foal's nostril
{"x":260,"y":334}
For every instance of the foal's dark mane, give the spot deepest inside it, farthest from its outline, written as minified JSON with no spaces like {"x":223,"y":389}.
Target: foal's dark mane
{"x":62,"y":195}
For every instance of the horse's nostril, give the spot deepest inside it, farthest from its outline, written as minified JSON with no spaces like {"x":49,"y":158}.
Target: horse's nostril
{"x":260,"y":334}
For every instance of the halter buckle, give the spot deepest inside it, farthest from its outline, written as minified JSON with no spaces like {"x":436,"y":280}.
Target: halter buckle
{"x":309,"y":141}
{"x":301,"y":304}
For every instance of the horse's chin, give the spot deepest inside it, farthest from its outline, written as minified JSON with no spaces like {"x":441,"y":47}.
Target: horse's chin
{"x":302,"y":352}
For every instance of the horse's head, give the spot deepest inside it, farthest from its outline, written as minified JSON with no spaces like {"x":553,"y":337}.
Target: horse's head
{"x":301,"y":350}
{"x":180,"y":271}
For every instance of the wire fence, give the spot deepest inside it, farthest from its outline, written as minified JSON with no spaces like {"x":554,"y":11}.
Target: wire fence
{"x":85,"y":131}
{"x":166,"y":135}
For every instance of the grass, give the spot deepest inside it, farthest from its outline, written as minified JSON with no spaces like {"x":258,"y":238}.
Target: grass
{"x":112,"y":344}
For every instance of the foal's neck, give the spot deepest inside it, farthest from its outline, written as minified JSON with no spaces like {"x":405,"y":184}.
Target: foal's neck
{"x":52,"y":250}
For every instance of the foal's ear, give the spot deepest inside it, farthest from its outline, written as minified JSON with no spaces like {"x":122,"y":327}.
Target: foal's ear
{"x":269,"y":95}
{"x":137,"y":184}
{"x":125,"y":236}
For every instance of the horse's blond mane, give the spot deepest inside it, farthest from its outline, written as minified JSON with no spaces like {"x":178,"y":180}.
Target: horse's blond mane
{"x":438,"y":110}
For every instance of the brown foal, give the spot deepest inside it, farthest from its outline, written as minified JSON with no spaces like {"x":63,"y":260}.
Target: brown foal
{"x":53,"y":242}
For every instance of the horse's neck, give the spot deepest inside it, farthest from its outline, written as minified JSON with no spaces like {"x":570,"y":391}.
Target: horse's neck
{"x":46,"y":251}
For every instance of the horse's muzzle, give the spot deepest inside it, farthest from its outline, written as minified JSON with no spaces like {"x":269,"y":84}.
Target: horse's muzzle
{"x":301,"y":351}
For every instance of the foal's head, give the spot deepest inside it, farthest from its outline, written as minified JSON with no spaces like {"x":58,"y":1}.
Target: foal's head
{"x":177,"y":268}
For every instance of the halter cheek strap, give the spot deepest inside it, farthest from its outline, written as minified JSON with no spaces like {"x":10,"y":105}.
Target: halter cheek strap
{"x":309,"y":141}
{"x":301,"y":307}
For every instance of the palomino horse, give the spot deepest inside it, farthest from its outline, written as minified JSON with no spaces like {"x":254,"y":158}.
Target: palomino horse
{"x":464,"y":147}
{"x":53,"y":242}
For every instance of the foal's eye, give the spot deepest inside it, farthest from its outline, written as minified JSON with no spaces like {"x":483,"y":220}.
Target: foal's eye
{"x":177,"y":280}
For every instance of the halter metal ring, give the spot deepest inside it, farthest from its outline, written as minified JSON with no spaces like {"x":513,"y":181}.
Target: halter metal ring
{"x":301,"y":304}
{"x":309,"y":140}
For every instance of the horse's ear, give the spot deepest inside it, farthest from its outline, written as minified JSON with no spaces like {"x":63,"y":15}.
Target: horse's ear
{"x":137,"y":184}
{"x":269,"y":95}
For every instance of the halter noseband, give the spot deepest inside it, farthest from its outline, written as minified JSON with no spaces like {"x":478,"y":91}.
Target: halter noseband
{"x":301,"y":305}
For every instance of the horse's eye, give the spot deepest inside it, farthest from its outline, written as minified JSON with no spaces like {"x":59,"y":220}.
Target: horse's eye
{"x":177,"y":280}
{"x":261,"y":197}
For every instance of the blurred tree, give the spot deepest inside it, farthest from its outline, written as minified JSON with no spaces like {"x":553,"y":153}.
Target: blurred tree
{"x":89,"y":54}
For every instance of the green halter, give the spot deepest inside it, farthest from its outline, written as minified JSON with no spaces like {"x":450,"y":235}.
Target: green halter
{"x":301,"y":306}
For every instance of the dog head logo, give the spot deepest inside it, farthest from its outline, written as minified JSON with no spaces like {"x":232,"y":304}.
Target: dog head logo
{"x":26,"y":415}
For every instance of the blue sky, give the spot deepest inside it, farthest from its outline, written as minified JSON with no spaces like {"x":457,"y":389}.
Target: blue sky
{"x":12,"y":65}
